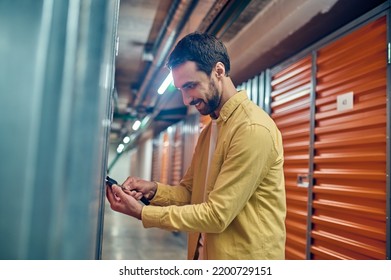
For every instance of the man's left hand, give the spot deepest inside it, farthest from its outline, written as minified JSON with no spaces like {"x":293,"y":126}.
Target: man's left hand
{"x":123,"y":202}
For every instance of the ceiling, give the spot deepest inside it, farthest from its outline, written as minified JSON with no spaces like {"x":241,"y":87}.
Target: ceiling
{"x":258,"y":34}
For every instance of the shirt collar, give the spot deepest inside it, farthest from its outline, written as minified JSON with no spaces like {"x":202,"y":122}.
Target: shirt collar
{"x":230,"y":106}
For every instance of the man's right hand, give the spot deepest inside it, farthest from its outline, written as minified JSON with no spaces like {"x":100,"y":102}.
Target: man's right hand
{"x":138,"y":187}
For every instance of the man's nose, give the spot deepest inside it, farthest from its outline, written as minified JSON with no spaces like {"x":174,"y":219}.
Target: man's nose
{"x":186,"y":98}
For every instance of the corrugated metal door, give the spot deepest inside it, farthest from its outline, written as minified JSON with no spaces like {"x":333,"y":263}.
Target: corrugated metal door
{"x":290,"y":109}
{"x":164,"y":165}
{"x":349,"y":193}
{"x":177,"y":155}
{"x":156,"y":159}
{"x":190,"y":130}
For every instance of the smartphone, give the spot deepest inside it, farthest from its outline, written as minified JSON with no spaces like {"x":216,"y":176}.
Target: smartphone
{"x":111,"y":182}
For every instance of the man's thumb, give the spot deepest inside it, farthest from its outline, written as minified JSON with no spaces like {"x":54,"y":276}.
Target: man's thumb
{"x":117,"y":191}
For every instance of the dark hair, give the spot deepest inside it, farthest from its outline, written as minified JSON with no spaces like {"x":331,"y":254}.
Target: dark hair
{"x":202,"y":48}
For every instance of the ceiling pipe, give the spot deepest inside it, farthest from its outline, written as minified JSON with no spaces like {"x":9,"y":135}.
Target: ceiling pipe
{"x":180,"y":14}
{"x":156,"y":67}
{"x":228,"y":15}
{"x":156,"y":45}
{"x":166,"y":24}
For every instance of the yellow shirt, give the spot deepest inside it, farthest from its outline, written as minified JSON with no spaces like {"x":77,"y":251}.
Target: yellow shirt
{"x":244,"y":213}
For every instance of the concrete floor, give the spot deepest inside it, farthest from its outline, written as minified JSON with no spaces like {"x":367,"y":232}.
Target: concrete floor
{"x":124,"y":238}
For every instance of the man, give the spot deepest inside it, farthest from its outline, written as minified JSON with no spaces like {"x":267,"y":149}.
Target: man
{"x":231,"y":200}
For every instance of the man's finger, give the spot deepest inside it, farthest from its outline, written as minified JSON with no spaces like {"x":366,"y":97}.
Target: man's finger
{"x":109,"y":192}
{"x":128,"y":181}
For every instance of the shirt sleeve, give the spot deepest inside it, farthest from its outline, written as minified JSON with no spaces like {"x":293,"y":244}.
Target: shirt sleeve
{"x":171,"y":195}
{"x":249,"y":156}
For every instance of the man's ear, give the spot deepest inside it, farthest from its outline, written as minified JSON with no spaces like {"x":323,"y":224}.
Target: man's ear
{"x":220,"y":69}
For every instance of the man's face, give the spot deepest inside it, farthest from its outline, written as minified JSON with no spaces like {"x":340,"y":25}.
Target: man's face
{"x":197,"y":88}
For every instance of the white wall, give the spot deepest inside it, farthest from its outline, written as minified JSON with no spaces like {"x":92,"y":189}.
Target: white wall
{"x":136,"y":162}
{"x":121,"y":169}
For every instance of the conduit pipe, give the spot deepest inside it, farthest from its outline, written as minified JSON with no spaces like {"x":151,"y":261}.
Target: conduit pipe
{"x":178,"y":16}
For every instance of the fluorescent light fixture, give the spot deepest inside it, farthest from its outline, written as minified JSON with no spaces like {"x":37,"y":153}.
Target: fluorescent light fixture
{"x":165,"y":84}
{"x":136,"y":125}
{"x":145,"y":120}
{"x":126,"y":139}
{"x":120,"y":148}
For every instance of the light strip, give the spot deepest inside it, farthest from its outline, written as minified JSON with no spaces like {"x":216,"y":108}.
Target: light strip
{"x":165,"y":84}
{"x":145,"y":120}
{"x":120,"y":148}
{"x":136,"y":125}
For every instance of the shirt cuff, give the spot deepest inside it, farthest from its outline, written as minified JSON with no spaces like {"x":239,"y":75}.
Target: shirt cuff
{"x":161,"y":195}
{"x":150,"y":216}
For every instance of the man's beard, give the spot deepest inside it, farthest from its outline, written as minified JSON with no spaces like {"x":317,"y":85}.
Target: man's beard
{"x":212,"y":100}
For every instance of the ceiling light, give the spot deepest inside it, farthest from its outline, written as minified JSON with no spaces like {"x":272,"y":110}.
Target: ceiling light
{"x":136,"y":125}
{"x":147,"y":56}
{"x":145,"y":120}
{"x":165,"y":84}
{"x":126,"y":139}
{"x":120,"y":148}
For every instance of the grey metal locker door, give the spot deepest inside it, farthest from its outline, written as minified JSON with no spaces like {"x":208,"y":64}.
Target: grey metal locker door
{"x":56,"y":75}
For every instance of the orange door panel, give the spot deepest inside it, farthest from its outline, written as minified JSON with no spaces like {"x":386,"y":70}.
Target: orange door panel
{"x":349,"y":193}
{"x":177,"y":156}
{"x":290,"y":109}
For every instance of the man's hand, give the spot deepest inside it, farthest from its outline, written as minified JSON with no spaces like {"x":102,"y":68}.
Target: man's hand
{"x":123,"y":202}
{"x":138,"y":187}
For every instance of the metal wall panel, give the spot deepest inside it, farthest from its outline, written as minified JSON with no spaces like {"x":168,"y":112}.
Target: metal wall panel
{"x":349,"y":194}
{"x":249,"y":89}
{"x":255,"y":90}
{"x":262,"y":80}
{"x":56,"y":78}
{"x":290,"y":109}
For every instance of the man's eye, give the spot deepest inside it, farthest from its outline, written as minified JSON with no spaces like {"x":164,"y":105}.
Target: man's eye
{"x":191,"y":86}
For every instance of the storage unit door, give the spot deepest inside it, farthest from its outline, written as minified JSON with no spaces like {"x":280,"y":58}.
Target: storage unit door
{"x":164,"y":164}
{"x":177,"y":155}
{"x":349,"y":193}
{"x":290,"y":109}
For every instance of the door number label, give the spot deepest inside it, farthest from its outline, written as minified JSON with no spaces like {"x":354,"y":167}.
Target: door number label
{"x":345,"y":101}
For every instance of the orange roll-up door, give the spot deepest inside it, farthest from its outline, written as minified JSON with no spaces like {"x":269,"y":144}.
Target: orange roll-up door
{"x":155,"y":161}
{"x":177,"y":156}
{"x":290,"y":109}
{"x":349,"y":193}
{"x":165,"y":159}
